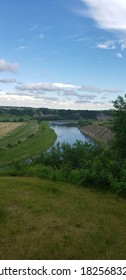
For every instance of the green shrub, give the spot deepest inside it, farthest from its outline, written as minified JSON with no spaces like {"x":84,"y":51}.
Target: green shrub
{"x":38,"y":170}
{"x":120,"y":189}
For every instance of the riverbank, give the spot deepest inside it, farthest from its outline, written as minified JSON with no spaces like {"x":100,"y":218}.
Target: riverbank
{"x":98,"y":133}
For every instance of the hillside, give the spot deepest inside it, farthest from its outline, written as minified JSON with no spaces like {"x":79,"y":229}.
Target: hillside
{"x":42,"y":219}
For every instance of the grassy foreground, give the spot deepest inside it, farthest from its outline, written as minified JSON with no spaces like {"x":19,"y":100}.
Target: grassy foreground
{"x":41,"y":219}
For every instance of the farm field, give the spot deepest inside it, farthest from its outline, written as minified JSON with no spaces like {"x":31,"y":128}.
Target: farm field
{"x":7,"y":127}
{"x":42,"y":219}
{"x":20,"y":132}
{"x":24,"y":140}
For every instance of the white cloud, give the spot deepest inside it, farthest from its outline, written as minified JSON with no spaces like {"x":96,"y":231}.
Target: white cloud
{"x":37,"y":87}
{"x":109,"y":15}
{"x":64,"y":86}
{"x":69,"y":89}
{"x":58,"y":95}
{"x":8,"y":67}
{"x":122,"y":45}
{"x":45,"y":87}
{"x":82,"y":40}
{"x":31,"y":99}
{"x":99,"y":90}
{"x":119,"y":55}
{"x":108,"y":45}
{"x":82,"y":101}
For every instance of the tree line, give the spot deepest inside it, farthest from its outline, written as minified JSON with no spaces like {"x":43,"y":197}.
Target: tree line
{"x":51,"y":114}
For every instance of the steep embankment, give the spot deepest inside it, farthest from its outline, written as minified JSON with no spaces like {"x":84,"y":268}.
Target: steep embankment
{"x":98,"y":133}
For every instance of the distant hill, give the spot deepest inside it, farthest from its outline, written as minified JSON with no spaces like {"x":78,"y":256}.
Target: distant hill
{"x":52,"y":114}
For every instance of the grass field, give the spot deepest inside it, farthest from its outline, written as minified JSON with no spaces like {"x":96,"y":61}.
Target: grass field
{"x":26,"y":140}
{"x":41,"y":219}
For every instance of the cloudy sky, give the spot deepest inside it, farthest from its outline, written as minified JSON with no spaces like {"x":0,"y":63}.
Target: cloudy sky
{"x":67,"y":54}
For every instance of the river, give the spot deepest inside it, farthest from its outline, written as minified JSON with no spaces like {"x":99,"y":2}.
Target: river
{"x":68,"y":133}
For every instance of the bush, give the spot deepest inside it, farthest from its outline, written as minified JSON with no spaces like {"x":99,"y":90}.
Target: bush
{"x":120,"y":189}
{"x":38,"y":170}
{"x":9,"y":145}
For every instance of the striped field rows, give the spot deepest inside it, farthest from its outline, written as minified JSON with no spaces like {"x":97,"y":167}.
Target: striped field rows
{"x":7,"y":127}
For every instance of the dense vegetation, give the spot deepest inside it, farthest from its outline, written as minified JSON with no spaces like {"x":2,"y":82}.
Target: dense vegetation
{"x":83,"y":164}
{"x":119,"y":126}
{"x":86,"y":164}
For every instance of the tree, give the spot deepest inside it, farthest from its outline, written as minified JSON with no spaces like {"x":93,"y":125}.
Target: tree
{"x":120,"y":125}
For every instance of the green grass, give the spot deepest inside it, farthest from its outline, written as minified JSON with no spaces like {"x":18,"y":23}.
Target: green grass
{"x":41,"y":219}
{"x":23,"y":147}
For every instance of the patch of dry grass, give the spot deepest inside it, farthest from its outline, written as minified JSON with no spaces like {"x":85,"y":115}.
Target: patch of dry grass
{"x":7,"y":127}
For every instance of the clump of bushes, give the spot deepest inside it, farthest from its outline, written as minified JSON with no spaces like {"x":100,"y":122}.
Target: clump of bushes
{"x":9,"y":145}
{"x":31,"y":136}
{"x":84,"y":164}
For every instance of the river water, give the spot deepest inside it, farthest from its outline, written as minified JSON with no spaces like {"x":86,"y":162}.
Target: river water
{"x":68,"y":133}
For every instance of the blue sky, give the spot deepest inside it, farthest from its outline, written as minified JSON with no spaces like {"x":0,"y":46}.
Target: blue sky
{"x":68,"y":54}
